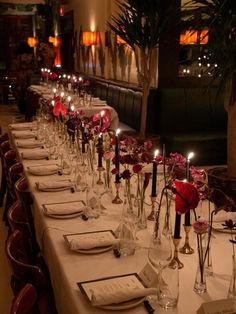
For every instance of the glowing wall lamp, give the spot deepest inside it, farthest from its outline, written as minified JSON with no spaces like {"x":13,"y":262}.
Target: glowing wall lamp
{"x":191,"y":37}
{"x":120,"y":41}
{"x":32,"y":41}
{"x":89,"y":38}
{"x":56,"y":41}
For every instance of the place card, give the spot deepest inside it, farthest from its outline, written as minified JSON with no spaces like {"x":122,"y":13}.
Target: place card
{"x":224,"y":306}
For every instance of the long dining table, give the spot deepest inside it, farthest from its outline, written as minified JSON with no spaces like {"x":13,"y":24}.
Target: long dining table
{"x":88,"y":106}
{"x":68,"y":267}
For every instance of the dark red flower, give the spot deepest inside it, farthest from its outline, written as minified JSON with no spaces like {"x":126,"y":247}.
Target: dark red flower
{"x":137,"y":168}
{"x":187,"y":196}
{"x":126,"y":174}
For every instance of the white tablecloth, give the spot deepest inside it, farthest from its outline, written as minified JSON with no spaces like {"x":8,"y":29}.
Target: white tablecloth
{"x":90,"y":109}
{"x":68,"y":267}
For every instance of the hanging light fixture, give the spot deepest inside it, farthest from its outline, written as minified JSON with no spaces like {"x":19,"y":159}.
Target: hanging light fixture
{"x":32,"y":41}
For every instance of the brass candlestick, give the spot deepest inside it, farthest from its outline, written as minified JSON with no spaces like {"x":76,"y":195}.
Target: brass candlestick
{"x":186,"y":249}
{"x":175,"y":258}
{"x":151,"y":216}
{"x":117,"y":199}
{"x":99,"y":181}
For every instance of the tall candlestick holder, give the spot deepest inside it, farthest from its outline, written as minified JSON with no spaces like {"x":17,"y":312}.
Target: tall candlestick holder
{"x":187,"y":249}
{"x":151,"y":216}
{"x":175,"y":258}
{"x":117,"y":199}
{"x":100,"y":170}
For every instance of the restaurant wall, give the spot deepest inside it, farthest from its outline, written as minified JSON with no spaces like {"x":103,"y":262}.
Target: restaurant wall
{"x":106,"y":59}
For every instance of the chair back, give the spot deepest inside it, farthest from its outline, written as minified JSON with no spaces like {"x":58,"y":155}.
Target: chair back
{"x":15,"y":172}
{"x":5,"y":147}
{"x":24,"y":301}
{"x":23,"y":272}
{"x":17,"y":219}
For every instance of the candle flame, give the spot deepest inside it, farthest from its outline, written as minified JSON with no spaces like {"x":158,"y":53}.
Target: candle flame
{"x":69,"y":98}
{"x":156,"y":153}
{"x":102,"y":113}
{"x":117,"y":132}
{"x":72,"y":107}
{"x":53,"y":103}
{"x":62,"y":94}
{"x":190,"y":155}
{"x":54,"y":90}
{"x":80,"y":78}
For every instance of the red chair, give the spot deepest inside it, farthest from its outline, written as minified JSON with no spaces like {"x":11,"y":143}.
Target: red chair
{"x":9,"y":159}
{"x":3,"y":138}
{"x":17,"y":219}
{"x":25,"y":301}
{"x":24,"y":272}
{"x":24,"y":195}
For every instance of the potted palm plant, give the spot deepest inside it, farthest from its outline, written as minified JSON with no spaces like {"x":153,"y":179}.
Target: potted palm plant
{"x":142,"y":25}
{"x":219,"y":18}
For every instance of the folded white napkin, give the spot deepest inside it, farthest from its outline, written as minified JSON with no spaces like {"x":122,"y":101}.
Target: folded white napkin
{"x":24,"y":134}
{"x":104,"y":297}
{"x":28,"y":143}
{"x":22,"y":126}
{"x":63,"y":208}
{"x":35,"y":154}
{"x":222,"y":215}
{"x":44,"y":170}
{"x":54,"y":186}
{"x":90,"y":243}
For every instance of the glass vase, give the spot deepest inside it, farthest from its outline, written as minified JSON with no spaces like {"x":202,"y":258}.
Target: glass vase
{"x":208,"y":263}
{"x":200,"y":280}
{"x":141,"y":215}
{"x":232,"y":285}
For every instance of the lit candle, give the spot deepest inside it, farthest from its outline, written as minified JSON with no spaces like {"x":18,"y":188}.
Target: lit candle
{"x":53,"y":103}
{"x":69,"y":101}
{"x":187,"y":215}
{"x":177,"y":226}
{"x":54,"y":92}
{"x":117,"y":157}
{"x":100,"y":150}
{"x":154,"y":174}
{"x":83,"y":139}
{"x":72,"y":108}
{"x":101,"y":118}
{"x":62,"y":96}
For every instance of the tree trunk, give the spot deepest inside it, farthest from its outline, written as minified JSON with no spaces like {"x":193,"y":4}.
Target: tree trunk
{"x":230,"y":106}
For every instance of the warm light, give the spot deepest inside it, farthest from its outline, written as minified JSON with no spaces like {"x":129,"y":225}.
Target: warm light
{"x":69,"y":98}
{"x":62,"y":94}
{"x":89,"y":38}
{"x":80,"y":79}
{"x":156,"y":153}
{"x":192,"y":37}
{"x":190,"y":155}
{"x":102,"y":113}
{"x":32,"y":41}
{"x":120,"y":41}
{"x":72,"y":108}
{"x":53,"y":103}
{"x":117,"y":132}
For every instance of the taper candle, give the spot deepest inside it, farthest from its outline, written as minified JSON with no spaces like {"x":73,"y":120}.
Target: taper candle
{"x":187,"y":218}
{"x":154,"y":174}
{"x":117,"y":157}
{"x":177,"y":226}
{"x":100,"y":142}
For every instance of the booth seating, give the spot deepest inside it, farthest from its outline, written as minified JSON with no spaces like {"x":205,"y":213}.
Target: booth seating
{"x":127,"y":103}
{"x":186,"y":119}
{"x":193,"y":119}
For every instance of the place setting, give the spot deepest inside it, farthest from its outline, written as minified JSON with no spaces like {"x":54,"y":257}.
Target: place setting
{"x":64,"y":210}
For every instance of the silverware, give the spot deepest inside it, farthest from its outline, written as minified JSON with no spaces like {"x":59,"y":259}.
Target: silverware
{"x":148,"y":307}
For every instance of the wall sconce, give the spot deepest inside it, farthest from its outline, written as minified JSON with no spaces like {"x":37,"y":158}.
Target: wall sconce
{"x":32,"y":41}
{"x":89,"y":38}
{"x":120,"y":41}
{"x":56,"y":41}
{"x":192,"y":37}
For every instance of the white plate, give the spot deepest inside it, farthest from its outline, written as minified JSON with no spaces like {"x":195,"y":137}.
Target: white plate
{"x":123,"y":305}
{"x":217,"y":226}
{"x":65,"y":216}
{"x":96,"y":250}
